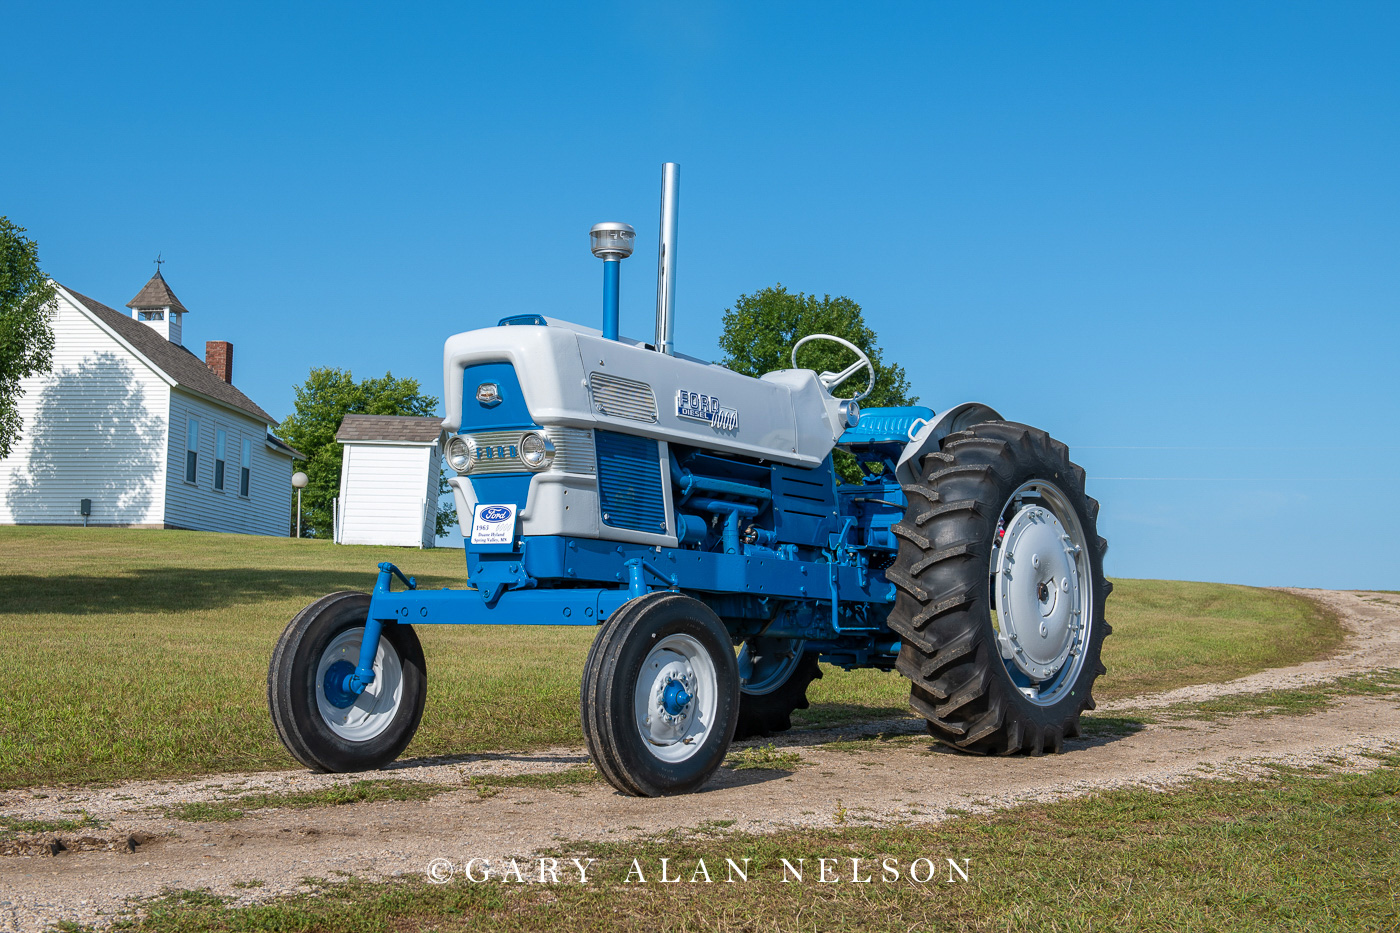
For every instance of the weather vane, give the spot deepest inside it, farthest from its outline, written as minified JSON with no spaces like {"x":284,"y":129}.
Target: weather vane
{"x":158,"y":261}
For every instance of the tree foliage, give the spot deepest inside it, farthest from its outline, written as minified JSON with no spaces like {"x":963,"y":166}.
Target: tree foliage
{"x":26,"y":339}
{"x":760,"y":330}
{"x":322,"y":402}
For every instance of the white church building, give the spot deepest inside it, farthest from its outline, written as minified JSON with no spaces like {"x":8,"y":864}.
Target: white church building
{"x":132,"y":429}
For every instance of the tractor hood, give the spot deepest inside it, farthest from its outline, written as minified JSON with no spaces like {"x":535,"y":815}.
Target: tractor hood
{"x":571,"y":376}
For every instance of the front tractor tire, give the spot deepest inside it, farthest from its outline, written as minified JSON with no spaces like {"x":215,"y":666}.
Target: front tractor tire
{"x":1000,"y":591}
{"x":322,"y":725}
{"x":660,"y":695}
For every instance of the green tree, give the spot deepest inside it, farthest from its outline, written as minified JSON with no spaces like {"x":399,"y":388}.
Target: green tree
{"x":761,"y":329}
{"x":26,"y":340}
{"x":322,"y":402}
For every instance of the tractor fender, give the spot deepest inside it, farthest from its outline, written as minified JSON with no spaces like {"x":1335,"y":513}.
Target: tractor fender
{"x":928,"y":437}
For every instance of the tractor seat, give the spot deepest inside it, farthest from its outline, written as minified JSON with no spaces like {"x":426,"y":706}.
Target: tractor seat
{"x":886,"y":425}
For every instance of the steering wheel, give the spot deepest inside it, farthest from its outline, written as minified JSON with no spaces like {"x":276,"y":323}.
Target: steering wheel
{"x":830,"y":380}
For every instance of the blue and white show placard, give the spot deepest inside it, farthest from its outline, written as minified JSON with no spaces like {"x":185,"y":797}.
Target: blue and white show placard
{"x":493,"y":524}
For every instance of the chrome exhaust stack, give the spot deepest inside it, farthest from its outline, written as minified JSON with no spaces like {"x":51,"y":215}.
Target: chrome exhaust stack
{"x":666,"y":259}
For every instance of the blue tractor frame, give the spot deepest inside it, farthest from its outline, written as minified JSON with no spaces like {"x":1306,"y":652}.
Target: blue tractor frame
{"x":734,"y":518}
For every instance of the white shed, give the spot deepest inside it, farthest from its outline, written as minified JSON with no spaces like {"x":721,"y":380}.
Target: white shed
{"x":389,"y":480}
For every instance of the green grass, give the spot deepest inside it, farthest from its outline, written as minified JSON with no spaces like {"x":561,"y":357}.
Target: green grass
{"x":1168,"y":634}
{"x":133,"y":654}
{"x":568,"y":779}
{"x":1299,"y":850}
{"x":1295,"y":701}
{"x":236,"y":807}
{"x":763,"y":758}
{"x":11,"y":826}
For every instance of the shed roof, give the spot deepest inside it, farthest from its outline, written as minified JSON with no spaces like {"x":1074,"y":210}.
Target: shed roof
{"x":404,"y":428}
{"x":156,"y":294}
{"x":276,"y":443}
{"x":174,"y":360}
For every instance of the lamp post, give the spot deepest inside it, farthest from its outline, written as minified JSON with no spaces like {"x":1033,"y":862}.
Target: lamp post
{"x":299,"y":480}
{"x":612,"y":243}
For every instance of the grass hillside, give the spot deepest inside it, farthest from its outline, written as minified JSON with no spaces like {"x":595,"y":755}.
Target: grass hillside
{"x":133,"y":653}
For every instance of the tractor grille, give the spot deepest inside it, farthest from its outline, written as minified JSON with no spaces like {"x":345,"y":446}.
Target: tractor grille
{"x":622,"y":398}
{"x":629,"y":483}
{"x":499,"y":451}
{"x":573,"y":450}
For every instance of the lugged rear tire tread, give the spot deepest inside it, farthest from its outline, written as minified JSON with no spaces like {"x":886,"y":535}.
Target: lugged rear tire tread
{"x":762,"y":715}
{"x":942,"y":608}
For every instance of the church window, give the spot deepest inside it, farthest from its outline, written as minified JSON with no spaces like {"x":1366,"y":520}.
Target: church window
{"x":220,"y":445}
{"x":246,"y":473}
{"x":192,"y":451}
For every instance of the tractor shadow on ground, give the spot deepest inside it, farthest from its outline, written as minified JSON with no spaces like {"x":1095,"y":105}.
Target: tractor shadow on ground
{"x":910,"y":733}
{"x":723,"y":779}
{"x":523,"y":757}
{"x":727,"y":778}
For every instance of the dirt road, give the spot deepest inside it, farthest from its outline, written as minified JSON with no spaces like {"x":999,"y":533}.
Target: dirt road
{"x":902,"y":780}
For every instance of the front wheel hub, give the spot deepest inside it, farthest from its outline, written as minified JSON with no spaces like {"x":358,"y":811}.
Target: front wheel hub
{"x":334,"y":683}
{"x":674,"y":698}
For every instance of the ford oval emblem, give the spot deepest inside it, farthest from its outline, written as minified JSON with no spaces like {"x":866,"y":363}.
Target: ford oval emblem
{"x":495,"y":513}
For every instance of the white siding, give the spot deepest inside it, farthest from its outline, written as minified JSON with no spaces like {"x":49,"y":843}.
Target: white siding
{"x":430,"y":509}
{"x":266,"y":510}
{"x":94,"y":428}
{"x":383,"y":495}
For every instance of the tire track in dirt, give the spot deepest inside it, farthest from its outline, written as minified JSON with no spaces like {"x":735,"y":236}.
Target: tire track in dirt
{"x":901,"y":780}
{"x":1372,"y":621}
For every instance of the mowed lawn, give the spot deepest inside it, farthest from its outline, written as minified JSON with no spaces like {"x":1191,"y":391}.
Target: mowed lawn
{"x":132,"y":653}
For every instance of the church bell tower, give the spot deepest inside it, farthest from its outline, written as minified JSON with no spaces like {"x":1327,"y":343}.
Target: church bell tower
{"x":157,"y":307}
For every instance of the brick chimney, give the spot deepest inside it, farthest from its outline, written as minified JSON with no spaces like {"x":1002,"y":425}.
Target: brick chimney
{"x":218,"y":356}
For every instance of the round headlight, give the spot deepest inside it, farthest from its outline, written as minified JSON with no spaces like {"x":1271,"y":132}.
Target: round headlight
{"x":536,"y":451}
{"x":461,"y":454}
{"x":850,"y":412}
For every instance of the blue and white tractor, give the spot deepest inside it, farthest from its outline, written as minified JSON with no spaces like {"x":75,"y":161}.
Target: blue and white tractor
{"x":692,"y":515}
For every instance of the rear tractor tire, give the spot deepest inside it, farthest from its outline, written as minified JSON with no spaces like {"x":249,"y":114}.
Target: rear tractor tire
{"x":773,"y":677}
{"x":325,"y":727}
{"x":660,"y":695}
{"x":1000,"y":591}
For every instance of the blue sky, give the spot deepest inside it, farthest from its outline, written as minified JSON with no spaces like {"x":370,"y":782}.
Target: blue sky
{"x":1166,"y":232}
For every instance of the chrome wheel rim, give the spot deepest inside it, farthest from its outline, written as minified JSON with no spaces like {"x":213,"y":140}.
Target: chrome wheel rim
{"x":765,"y":664}
{"x":373,"y":710}
{"x":676,"y":698}
{"x":1041,"y":590}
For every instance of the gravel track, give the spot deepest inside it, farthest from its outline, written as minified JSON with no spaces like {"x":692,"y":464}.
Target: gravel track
{"x":135,"y":851}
